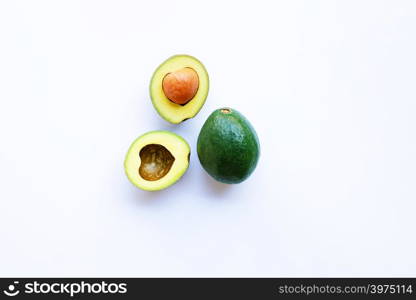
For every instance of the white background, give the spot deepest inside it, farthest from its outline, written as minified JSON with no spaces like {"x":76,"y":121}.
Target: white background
{"x":328,"y":85}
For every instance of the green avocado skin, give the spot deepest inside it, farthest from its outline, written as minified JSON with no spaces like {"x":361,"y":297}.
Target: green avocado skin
{"x":228,"y":147}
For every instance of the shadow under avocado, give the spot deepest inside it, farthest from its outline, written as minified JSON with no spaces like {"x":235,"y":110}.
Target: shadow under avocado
{"x":146,"y":198}
{"x":214,"y":187}
{"x":162,"y":124}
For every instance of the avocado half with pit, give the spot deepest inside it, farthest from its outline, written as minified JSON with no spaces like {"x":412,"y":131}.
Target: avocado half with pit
{"x":179,"y":88}
{"x":228,"y":146}
{"x":157,"y":160}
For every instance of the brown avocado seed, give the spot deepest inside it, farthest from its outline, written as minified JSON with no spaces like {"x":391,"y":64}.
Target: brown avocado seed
{"x":181,"y":86}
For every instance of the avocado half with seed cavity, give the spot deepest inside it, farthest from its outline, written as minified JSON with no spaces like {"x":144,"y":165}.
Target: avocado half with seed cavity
{"x":157,"y":160}
{"x":179,"y":88}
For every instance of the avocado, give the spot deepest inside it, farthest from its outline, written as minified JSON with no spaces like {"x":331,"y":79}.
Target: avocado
{"x":156,"y":160}
{"x":179,"y":88}
{"x":228,"y":146}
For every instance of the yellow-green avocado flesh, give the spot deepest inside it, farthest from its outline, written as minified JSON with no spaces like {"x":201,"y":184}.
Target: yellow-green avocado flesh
{"x":156,"y":160}
{"x":172,"y":112}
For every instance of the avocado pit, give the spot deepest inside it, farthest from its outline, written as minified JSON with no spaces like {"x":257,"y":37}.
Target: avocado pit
{"x":181,"y":86}
{"x":156,"y":162}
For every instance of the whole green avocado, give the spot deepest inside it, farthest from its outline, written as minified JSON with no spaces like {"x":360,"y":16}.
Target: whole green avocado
{"x":228,"y":146}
